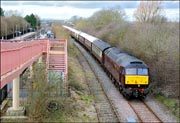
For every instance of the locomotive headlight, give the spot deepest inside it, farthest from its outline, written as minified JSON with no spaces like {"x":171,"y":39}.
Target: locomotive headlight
{"x":139,"y":85}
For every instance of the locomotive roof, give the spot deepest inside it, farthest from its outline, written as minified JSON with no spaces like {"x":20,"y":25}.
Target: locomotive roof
{"x":113,"y":52}
{"x":101,"y":44}
{"x":122,"y":58}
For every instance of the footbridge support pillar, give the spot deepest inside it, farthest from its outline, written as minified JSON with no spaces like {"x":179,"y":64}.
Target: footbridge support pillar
{"x":16,"y":93}
{"x":16,"y":110}
{"x":31,"y":70}
{"x":40,"y":59}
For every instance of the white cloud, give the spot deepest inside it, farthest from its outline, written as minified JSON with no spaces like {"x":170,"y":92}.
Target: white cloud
{"x":66,"y":12}
{"x":170,"y":14}
{"x":53,"y":12}
{"x":130,"y":14}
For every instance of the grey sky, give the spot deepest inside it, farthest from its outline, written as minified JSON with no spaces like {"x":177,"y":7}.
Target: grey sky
{"x":88,"y":4}
{"x":80,"y":8}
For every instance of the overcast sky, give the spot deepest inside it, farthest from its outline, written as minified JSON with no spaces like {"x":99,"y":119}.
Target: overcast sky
{"x":67,"y":9}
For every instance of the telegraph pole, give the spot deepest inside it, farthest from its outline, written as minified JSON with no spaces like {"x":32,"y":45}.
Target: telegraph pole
{"x":13,"y":31}
{"x":6,"y":31}
{"x":23,"y":29}
{"x":16,"y":30}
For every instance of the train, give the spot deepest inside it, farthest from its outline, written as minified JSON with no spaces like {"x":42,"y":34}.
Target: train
{"x":128,"y":73}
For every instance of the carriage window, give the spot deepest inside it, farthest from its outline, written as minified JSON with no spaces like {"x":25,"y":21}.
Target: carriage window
{"x":131,"y":71}
{"x":142,"y":71}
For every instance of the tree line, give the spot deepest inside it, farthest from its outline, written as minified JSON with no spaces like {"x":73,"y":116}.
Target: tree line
{"x":12,"y":22}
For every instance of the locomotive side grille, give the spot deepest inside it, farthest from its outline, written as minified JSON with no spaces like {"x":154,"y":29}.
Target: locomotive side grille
{"x":136,"y":62}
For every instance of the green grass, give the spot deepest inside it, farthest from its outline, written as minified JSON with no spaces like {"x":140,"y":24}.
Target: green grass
{"x":65,"y":112}
{"x":171,"y":104}
{"x":14,"y":121}
{"x":74,"y":74}
{"x":87,"y":98}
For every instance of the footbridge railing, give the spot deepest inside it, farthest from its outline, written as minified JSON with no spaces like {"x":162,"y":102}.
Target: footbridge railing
{"x":16,"y":56}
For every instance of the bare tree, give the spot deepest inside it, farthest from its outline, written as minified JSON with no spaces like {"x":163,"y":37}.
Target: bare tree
{"x":37,"y":20}
{"x":3,"y":23}
{"x":148,"y":11}
{"x":13,"y":12}
{"x":10,"y":24}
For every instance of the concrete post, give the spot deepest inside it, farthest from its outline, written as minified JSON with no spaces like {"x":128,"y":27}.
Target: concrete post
{"x":31,"y":71}
{"x":40,"y":59}
{"x":16,"y":93}
{"x":15,"y":110}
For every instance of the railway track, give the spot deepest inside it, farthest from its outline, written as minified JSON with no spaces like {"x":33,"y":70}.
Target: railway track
{"x":143,"y":111}
{"x":104,"y":108}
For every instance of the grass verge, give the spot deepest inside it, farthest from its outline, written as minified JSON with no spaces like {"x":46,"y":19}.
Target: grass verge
{"x":171,"y":104}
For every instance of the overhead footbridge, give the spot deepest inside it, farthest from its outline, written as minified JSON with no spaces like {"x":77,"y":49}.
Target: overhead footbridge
{"x":18,"y":55}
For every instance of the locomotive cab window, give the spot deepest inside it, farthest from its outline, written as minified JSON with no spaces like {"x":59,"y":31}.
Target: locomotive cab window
{"x":142,"y":71}
{"x":131,"y":71}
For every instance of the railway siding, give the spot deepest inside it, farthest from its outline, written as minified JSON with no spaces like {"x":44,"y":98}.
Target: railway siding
{"x":103,"y":107}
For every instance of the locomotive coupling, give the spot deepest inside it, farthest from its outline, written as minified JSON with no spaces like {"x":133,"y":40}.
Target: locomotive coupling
{"x":146,"y":91}
{"x":127,"y":92}
{"x":135,"y":93}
